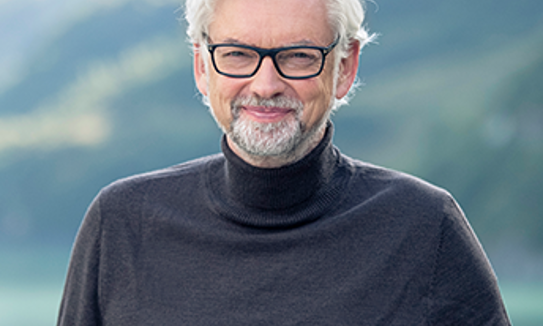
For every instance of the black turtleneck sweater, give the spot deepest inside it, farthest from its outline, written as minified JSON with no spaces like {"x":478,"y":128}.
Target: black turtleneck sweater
{"x":325,"y":241}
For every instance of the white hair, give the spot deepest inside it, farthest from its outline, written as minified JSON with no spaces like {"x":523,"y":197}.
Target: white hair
{"x":346,"y":20}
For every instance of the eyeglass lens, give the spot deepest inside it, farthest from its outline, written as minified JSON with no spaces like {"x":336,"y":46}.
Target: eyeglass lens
{"x":240,"y":61}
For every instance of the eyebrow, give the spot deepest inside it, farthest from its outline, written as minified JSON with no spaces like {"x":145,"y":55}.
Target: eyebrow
{"x":236,"y":41}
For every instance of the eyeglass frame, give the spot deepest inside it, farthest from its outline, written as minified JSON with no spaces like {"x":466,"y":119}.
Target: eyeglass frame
{"x":262,"y":53}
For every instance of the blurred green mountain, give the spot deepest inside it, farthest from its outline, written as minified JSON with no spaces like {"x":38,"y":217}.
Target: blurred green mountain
{"x":451,"y":93}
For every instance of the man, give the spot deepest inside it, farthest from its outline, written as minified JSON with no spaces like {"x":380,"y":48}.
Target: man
{"x":279,"y":229}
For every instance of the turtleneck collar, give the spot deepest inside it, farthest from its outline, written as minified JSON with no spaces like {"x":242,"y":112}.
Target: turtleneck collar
{"x":282,"y":187}
{"x":277,"y":197}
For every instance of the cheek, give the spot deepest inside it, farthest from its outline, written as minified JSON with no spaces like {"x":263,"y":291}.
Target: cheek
{"x":222,"y":91}
{"x":317,"y":102}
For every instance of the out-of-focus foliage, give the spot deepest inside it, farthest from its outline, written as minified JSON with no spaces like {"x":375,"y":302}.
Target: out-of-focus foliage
{"x":95,"y":90}
{"x":451,"y":93}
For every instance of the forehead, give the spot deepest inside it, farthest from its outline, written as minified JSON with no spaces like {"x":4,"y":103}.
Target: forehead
{"x":271,"y":23}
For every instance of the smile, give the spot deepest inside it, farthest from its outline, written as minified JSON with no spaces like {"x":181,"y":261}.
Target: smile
{"x":266,"y":114}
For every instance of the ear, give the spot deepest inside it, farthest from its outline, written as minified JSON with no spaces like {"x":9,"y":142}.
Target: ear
{"x":348,"y":68}
{"x":200,"y":75}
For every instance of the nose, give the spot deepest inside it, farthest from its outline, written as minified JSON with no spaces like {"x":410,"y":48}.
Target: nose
{"x":267,"y":82}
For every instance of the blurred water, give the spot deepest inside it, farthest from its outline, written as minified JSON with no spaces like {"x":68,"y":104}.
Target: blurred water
{"x":31,"y":281}
{"x":29,"y":305}
{"x":31,"y":290}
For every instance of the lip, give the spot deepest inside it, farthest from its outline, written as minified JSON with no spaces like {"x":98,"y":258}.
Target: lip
{"x":266,"y":114}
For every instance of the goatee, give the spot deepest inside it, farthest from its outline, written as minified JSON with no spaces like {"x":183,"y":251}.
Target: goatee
{"x":267,"y":139}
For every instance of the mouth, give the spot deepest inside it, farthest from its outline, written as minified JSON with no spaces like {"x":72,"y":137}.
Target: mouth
{"x":263,"y":114}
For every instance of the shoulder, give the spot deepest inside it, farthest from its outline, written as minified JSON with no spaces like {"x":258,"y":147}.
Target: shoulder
{"x":399,"y":191}
{"x":377,"y":178}
{"x":124,"y":204}
{"x":162,"y":180}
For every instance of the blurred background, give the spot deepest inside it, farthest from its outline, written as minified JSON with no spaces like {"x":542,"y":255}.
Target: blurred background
{"x":95,"y":90}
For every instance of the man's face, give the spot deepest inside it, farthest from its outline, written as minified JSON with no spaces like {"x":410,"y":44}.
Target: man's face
{"x":267,"y":114}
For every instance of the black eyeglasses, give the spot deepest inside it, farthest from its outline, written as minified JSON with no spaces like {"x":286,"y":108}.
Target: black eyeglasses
{"x":292,"y":62}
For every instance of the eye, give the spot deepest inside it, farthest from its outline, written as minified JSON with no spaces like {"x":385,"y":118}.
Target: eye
{"x":235,"y":53}
{"x":299,"y":57}
{"x":302,"y":55}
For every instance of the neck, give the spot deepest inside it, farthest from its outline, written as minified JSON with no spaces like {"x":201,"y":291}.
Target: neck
{"x":283,"y":197}
{"x":279,"y":188}
{"x":311,"y":141}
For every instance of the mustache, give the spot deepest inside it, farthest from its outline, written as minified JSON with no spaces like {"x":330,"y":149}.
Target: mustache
{"x":277,"y":102}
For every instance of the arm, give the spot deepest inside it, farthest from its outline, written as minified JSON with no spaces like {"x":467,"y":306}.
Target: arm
{"x":464,"y":288}
{"x":79,"y":304}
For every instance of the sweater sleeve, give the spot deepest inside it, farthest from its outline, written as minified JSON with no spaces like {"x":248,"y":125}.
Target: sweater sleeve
{"x":79,"y":306}
{"x":464,"y":289}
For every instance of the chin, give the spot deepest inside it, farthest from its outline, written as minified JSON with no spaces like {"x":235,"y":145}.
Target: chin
{"x":266,"y":139}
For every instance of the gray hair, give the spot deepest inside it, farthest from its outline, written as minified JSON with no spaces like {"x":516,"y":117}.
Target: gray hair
{"x":346,"y":19}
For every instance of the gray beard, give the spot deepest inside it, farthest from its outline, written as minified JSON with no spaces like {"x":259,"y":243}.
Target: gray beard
{"x":268,"y":139}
